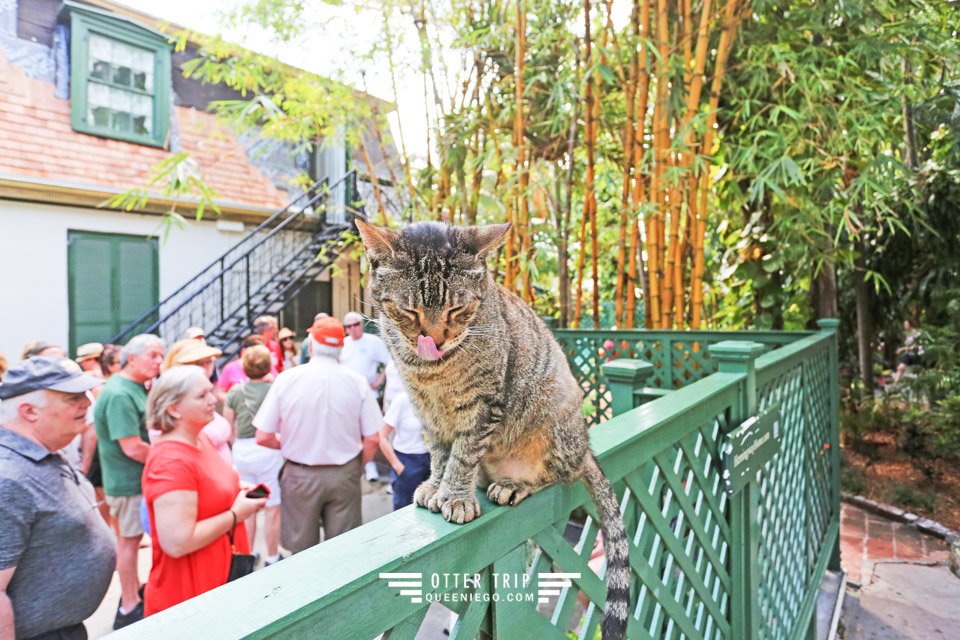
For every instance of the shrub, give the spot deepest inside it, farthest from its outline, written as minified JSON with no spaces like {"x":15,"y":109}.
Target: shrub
{"x":906,"y":496}
{"x":852,"y":480}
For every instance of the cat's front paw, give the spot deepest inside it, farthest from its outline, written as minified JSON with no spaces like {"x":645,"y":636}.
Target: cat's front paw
{"x":423,"y":494}
{"x":508,"y":492}
{"x":457,"y":507}
{"x":460,"y":510}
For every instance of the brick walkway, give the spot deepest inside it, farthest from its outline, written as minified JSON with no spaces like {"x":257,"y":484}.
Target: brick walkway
{"x":866,"y":539}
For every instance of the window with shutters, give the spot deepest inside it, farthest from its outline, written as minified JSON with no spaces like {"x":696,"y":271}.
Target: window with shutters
{"x":112,"y":280}
{"x":119,"y":77}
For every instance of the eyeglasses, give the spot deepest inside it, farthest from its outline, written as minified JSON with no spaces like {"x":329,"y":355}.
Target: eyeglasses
{"x":352,"y":325}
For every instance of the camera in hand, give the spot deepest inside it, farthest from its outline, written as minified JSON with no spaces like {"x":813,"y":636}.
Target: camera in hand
{"x":259,"y":491}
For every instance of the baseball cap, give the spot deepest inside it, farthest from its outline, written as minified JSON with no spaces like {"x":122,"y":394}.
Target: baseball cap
{"x":352,"y":317}
{"x":194,"y":332}
{"x":39,"y":372}
{"x":285,"y":333}
{"x":89,"y":350}
{"x":328,"y":331}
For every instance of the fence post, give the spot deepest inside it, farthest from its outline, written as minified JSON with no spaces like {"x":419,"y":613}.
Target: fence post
{"x":624,"y":377}
{"x":734,"y":356}
{"x":831,"y":326}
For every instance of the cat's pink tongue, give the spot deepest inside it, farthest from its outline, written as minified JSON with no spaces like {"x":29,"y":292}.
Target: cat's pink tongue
{"x":427,"y":348}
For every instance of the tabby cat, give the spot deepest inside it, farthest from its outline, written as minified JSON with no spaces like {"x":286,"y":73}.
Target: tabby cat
{"x":491,"y":385}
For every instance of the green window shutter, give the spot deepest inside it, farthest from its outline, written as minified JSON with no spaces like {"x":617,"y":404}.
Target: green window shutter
{"x":137,"y":279}
{"x":119,"y":77}
{"x":90,"y":288}
{"x":112,"y":281}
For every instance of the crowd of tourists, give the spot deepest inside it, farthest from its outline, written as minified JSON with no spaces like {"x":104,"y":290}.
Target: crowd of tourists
{"x":149,"y":438}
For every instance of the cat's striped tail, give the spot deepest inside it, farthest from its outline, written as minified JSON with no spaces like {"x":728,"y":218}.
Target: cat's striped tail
{"x":614,"y":623}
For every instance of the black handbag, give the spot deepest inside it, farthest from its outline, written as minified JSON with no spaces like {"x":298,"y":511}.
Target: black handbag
{"x":241,"y":564}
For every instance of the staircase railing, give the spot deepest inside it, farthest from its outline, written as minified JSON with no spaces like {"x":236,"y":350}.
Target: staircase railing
{"x":237,"y":285}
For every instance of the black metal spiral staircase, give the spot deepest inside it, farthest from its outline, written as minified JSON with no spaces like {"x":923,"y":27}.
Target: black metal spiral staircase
{"x":261,"y":273}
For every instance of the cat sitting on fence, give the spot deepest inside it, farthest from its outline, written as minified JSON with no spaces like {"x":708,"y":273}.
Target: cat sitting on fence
{"x":490,"y":383}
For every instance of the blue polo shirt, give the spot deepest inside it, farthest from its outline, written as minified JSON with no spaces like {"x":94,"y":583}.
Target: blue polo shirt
{"x":52,"y":532}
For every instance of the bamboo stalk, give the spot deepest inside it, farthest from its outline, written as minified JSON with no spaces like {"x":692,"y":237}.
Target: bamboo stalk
{"x":578,"y":306}
{"x":590,"y":140}
{"x":407,"y":174}
{"x":661,"y":157}
{"x":591,"y":159}
{"x":519,"y":138}
{"x":374,"y":180}
{"x":640,"y":113}
{"x":628,"y":142}
{"x":563,"y":248}
{"x":731,"y":19}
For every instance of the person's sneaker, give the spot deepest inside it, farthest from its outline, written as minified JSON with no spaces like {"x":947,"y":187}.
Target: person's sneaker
{"x":124,"y":619}
{"x":371,"y":471}
{"x":280,"y":557}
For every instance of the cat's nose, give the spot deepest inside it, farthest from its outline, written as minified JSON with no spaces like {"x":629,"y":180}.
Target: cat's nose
{"x":439,"y":336}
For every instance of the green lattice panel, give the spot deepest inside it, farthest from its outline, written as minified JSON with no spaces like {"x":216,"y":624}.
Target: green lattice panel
{"x":689,"y":362}
{"x":795,"y":507}
{"x":681,"y":541}
{"x":587,"y":351}
{"x":683,"y":361}
{"x":817,"y":455}
{"x":781,"y":516}
{"x":676,"y":515}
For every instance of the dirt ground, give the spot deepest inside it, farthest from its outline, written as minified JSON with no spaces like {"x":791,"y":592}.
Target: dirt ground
{"x":877,"y":469}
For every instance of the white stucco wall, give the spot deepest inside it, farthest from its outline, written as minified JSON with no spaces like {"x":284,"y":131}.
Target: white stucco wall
{"x":33,"y":263}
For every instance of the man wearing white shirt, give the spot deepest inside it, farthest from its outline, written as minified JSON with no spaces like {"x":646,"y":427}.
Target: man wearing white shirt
{"x":324,"y":414}
{"x":364,"y":353}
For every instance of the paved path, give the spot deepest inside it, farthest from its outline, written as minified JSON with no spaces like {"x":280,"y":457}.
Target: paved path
{"x":899,"y":587}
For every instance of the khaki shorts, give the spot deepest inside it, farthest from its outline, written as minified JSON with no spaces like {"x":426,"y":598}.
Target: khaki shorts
{"x":126,"y":509}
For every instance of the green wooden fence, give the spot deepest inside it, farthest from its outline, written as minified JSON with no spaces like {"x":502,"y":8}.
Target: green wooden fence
{"x":679,"y":358}
{"x":706,"y":564}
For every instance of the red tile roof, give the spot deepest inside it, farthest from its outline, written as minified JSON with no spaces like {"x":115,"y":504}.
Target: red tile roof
{"x":36,"y":141}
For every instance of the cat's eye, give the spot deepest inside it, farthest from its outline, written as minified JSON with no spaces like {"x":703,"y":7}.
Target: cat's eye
{"x":410,"y":313}
{"x":452,"y":311}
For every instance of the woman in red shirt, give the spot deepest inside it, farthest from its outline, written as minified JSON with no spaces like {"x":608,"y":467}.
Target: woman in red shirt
{"x":193,"y":496}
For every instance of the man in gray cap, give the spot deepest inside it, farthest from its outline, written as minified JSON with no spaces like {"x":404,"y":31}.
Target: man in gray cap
{"x":57,"y":555}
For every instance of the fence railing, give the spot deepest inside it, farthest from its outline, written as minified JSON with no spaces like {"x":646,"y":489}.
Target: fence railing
{"x":708,"y":561}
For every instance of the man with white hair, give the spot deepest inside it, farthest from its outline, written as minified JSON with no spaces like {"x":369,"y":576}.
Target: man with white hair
{"x":56,"y":553}
{"x":365,"y":353}
{"x":324,"y":414}
{"x":119,"y":417}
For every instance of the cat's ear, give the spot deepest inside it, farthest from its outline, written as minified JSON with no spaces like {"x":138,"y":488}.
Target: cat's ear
{"x":482,"y":240}
{"x":379,"y":241}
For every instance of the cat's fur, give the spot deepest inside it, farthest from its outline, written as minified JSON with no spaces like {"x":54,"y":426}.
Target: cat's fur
{"x":501,"y":407}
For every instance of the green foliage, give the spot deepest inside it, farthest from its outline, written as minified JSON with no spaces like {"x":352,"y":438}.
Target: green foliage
{"x":863,"y":417}
{"x":852,"y":480}
{"x":906,"y":496}
{"x":932,"y":429}
{"x":177,"y":176}
{"x":812,"y":170}
{"x":813,"y":130}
